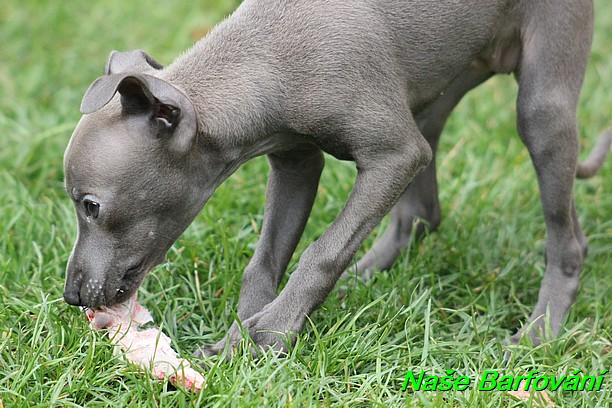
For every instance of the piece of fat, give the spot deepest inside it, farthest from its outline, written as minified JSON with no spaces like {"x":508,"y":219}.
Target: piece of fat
{"x":147,"y":348}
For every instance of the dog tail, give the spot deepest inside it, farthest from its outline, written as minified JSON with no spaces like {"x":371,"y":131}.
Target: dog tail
{"x":593,"y":163}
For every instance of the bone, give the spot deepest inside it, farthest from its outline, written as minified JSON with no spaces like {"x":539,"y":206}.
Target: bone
{"x":146,"y":348}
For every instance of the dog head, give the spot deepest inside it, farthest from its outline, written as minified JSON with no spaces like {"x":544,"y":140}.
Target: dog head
{"x":129,"y":170}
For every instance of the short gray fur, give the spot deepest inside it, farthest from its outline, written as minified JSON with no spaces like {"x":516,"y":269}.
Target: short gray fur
{"x":371,"y":81}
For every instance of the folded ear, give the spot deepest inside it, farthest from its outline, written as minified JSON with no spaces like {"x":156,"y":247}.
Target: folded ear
{"x":130,"y":61}
{"x":170,"y":111}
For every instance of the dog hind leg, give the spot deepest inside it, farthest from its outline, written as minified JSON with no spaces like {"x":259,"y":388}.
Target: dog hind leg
{"x":550,"y":75}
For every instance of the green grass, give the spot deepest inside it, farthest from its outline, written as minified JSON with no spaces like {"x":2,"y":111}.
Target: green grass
{"x":448,"y":303}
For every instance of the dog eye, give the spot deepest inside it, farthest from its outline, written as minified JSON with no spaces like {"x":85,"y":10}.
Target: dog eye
{"x":92,"y":209}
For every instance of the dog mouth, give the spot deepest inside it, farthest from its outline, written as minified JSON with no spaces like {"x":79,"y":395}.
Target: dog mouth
{"x":113,"y":286}
{"x":130,"y":281}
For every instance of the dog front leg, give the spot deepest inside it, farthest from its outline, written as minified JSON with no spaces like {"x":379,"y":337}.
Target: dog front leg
{"x":418,"y":209}
{"x":292,"y":187}
{"x":380,"y":181}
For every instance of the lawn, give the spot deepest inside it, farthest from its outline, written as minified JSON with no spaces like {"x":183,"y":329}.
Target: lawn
{"x":450,"y":301}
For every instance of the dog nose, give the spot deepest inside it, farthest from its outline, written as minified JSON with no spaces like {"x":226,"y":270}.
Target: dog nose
{"x":73,"y":297}
{"x":72,"y":289}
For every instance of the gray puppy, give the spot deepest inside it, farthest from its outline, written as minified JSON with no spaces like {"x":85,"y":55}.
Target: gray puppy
{"x":371,"y":81}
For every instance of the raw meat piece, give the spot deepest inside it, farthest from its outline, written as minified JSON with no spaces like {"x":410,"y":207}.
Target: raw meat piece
{"x":148,"y":348}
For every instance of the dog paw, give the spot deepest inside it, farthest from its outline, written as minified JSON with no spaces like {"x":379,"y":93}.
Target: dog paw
{"x":269,"y":332}
{"x":509,"y":346}
{"x":210,"y":350}
{"x":232,"y":338}
{"x":535,"y":333}
{"x":264,"y":331}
